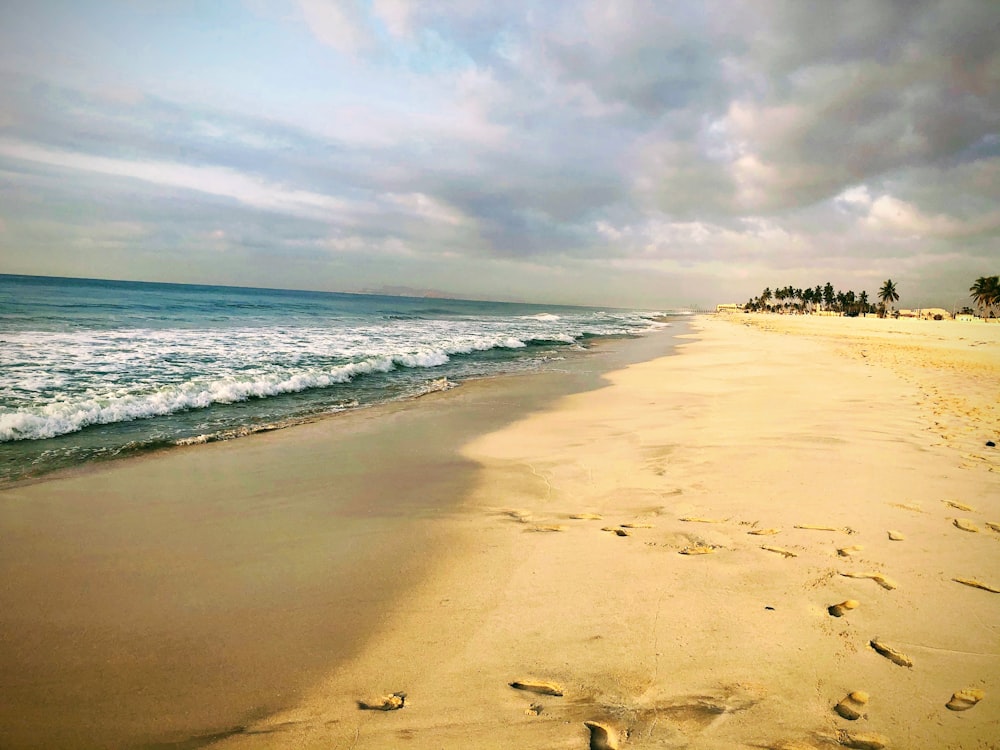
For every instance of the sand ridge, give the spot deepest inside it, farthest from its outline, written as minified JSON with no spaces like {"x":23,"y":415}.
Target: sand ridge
{"x":773,"y":426}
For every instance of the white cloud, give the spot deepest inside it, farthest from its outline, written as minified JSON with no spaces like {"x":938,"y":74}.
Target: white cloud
{"x":219,"y":181}
{"x":340,"y":24}
{"x":423,"y":206}
{"x":894,"y":216}
{"x":855,"y":197}
{"x":396,"y":16}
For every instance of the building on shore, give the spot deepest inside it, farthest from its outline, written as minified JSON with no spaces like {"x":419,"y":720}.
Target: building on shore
{"x":926,"y":313}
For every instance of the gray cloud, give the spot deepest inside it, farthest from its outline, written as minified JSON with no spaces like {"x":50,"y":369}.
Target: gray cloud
{"x":721,"y":143}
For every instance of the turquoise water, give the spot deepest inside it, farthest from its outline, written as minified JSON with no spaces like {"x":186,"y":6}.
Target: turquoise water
{"x":93,"y":369}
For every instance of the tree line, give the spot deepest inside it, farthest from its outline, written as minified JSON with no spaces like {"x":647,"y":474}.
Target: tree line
{"x":823,"y":297}
{"x":985,"y":293}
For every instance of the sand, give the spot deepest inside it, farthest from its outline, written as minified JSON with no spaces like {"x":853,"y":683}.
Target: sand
{"x":831,"y":432}
{"x":530,"y":624}
{"x":153,"y":602}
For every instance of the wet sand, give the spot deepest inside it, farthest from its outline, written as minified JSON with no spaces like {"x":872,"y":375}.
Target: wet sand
{"x":163,"y":600}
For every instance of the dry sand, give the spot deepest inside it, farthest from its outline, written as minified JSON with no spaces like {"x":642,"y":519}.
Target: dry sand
{"x":830,"y":433}
{"x":827,"y":434}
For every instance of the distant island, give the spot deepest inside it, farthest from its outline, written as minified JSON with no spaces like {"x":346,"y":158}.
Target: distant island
{"x":408,"y":291}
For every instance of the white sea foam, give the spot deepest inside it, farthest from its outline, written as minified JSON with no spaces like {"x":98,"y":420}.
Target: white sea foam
{"x":548,"y":317}
{"x":54,"y":383}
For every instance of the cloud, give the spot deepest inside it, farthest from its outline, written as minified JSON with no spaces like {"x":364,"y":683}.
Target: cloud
{"x":895,"y":216}
{"x":341,"y":24}
{"x":218,"y":181}
{"x":856,"y":197}
{"x":684,"y":140}
{"x":395,"y":15}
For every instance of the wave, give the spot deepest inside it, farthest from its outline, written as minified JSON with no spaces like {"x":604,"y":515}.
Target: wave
{"x":547,"y":317}
{"x":66,"y":416}
{"x":61,"y":382}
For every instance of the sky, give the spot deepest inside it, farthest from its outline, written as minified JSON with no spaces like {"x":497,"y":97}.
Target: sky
{"x":627,"y":153}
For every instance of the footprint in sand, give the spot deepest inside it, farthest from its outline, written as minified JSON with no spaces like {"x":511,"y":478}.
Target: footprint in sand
{"x":862,"y":741}
{"x":554,"y":527}
{"x":518,"y":514}
{"x":976,"y":584}
{"x":852,"y":706}
{"x":848,"y":551}
{"x":966,"y":525}
{"x":896,"y":536}
{"x":780,"y":550}
{"x":636,"y":525}
{"x":616,"y":530}
{"x":810,"y":527}
{"x":839,"y":610}
{"x":880,"y":579}
{"x":391,"y":702}
{"x":896,"y":657}
{"x":538,"y":686}
{"x":602,"y":736}
{"x":963,"y":700}
{"x":993,"y":526}
{"x":764,"y":532}
{"x":696,"y":519}
{"x":586,"y":517}
{"x":959,"y":506}
{"x":696,"y":551}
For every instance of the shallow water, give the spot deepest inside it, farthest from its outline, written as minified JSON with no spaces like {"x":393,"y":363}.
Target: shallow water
{"x":93,"y":369}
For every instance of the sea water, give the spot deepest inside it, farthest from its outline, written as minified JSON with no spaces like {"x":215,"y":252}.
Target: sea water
{"x":93,"y":369}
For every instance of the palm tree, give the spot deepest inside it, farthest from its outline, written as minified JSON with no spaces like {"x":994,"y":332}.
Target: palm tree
{"x":986,"y":293}
{"x":849,"y":300}
{"x":828,"y":295}
{"x":765,"y":296}
{"x":887,"y":294}
{"x":863,"y":299}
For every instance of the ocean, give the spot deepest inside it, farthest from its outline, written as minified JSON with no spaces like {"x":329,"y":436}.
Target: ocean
{"x":93,"y":369}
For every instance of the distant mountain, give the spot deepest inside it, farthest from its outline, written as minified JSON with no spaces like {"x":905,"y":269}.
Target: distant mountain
{"x":408,"y":291}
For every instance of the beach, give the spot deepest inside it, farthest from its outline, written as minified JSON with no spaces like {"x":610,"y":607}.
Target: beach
{"x":653,"y":560}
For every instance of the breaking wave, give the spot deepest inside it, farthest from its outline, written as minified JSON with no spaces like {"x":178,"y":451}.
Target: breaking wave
{"x":66,"y":413}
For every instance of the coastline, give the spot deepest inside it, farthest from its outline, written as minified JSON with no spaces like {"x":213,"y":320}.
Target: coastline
{"x":179,"y":593}
{"x":793,"y":426}
{"x":745,"y":430}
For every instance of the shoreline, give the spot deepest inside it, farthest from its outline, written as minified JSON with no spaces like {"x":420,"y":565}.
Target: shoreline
{"x":744,"y":431}
{"x":464,"y":569}
{"x":192,"y":589}
{"x":431,"y":387}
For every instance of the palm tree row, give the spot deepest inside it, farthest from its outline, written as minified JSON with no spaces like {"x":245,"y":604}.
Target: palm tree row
{"x":792,"y":300}
{"x":985,"y":292}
